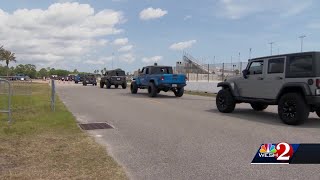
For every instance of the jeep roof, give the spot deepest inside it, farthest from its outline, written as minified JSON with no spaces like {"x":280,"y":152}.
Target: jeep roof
{"x":118,"y":72}
{"x":317,"y":53}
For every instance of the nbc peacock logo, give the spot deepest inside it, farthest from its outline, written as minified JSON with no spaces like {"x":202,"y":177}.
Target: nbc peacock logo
{"x":268,"y":150}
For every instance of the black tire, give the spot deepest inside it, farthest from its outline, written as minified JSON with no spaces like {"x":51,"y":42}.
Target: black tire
{"x":179,"y":92}
{"x":292,"y":109}
{"x":134,"y":88}
{"x":108,"y":85}
{"x":116,"y":86}
{"x":258,"y":106}
{"x":152,"y":90}
{"x":124,"y":86}
{"x":84,"y":84}
{"x":318,"y":112}
{"x":76,"y":82}
{"x":225,"y":101}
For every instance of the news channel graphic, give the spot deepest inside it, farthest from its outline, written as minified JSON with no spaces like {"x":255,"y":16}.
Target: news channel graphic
{"x":285,"y":153}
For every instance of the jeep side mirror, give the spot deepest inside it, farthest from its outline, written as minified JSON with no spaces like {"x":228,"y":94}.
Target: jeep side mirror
{"x":245,"y":73}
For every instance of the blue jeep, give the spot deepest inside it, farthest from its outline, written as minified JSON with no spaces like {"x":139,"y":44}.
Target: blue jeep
{"x":158,"y":78}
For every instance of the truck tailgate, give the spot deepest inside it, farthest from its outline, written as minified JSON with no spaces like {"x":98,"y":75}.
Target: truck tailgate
{"x":173,"y":78}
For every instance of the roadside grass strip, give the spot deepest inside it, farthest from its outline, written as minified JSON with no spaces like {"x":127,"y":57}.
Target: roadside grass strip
{"x":40,"y":144}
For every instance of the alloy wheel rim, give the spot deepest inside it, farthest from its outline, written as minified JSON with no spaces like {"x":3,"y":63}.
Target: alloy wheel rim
{"x":290,"y":109}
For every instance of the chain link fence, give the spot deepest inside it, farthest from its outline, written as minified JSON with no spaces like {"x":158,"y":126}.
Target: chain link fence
{"x":210,"y":72}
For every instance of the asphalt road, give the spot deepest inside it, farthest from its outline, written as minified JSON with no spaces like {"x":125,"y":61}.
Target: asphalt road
{"x":187,"y":138}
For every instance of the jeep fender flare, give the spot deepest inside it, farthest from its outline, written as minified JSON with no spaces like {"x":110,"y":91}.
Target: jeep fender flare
{"x":229,"y":85}
{"x":293,"y":86}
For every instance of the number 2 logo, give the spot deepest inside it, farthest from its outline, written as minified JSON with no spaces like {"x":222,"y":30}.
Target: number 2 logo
{"x":285,"y":151}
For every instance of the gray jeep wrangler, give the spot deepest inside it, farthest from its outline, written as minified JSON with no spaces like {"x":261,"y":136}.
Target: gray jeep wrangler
{"x":114,"y":77}
{"x":291,"y":81}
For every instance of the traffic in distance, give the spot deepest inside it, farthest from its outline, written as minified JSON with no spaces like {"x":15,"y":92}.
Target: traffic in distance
{"x":290,"y":81}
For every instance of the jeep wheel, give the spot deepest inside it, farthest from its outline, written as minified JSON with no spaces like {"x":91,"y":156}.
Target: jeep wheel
{"x":116,"y":86}
{"x":124,"y":86}
{"x":179,"y":92}
{"x":108,"y":85}
{"x":84,"y":84}
{"x":292,"y":109}
{"x":76,"y":82}
{"x":152,"y":90}
{"x":225,"y":101}
{"x":134,"y":88}
{"x":258,"y":106}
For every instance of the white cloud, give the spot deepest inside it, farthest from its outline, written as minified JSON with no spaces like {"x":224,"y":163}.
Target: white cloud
{"x":99,"y":61}
{"x":182,"y":45}
{"x":153,"y":59}
{"x":121,"y":41}
{"x":314,"y":25}
{"x":151,"y":13}
{"x":237,"y":9}
{"x":128,"y":58}
{"x":187,"y":17}
{"x":125,"y":48}
{"x":63,"y":32}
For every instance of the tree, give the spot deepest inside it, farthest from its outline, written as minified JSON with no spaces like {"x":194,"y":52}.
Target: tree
{"x":7,"y":56}
{"x":75,"y":71}
{"x":43,"y":72}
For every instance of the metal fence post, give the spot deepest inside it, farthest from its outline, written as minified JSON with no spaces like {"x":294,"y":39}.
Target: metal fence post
{"x":208,"y":72}
{"x":222,"y":75}
{"x":53,"y":95}
{"x":9,"y":100}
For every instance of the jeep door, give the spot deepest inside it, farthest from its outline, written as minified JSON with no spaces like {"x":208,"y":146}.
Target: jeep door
{"x":142,"y":77}
{"x":251,"y":86}
{"x":274,"y":78}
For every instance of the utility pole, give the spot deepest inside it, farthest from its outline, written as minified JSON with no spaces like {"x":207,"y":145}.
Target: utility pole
{"x":271,"y":44}
{"x":112,"y":60}
{"x":301,"y":38}
{"x":250,"y":51}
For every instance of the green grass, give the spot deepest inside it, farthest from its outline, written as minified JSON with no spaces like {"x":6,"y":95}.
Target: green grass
{"x":197,"y":93}
{"x":41,"y":144}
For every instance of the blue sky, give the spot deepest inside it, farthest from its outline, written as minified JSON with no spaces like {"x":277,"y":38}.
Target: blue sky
{"x":91,"y":34}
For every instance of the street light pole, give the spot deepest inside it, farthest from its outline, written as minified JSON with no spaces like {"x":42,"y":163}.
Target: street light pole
{"x":271,"y":44}
{"x":301,"y":38}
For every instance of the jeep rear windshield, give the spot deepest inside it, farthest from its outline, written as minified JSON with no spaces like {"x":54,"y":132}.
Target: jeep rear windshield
{"x":162,"y":70}
{"x":120,"y":73}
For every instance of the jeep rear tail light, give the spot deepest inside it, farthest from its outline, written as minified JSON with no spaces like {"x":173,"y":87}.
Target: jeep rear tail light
{"x":318,"y":83}
{"x":162,"y":78}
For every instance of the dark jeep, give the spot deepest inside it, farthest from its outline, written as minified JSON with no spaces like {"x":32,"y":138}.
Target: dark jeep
{"x":114,"y":77}
{"x":89,"y":79}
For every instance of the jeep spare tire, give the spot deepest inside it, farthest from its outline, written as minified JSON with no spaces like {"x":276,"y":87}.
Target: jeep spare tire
{"x":293,"y":109}
{"x":225,"y":101}
{"x":258,"y":106}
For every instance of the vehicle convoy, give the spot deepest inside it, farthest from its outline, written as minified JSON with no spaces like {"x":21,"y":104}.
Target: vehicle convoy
{"x":89,"y":79}
{"x":158,"y":78}
{"x":291,"y":81}
{"x":114,"y":77}
{"x":78,"y":78}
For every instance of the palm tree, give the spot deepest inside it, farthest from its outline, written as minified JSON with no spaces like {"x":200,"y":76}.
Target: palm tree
{"x":7,"y":56}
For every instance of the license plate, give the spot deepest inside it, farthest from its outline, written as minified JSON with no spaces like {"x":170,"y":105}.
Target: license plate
{"x":118,"y":79}
{"x":174,"y":85}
